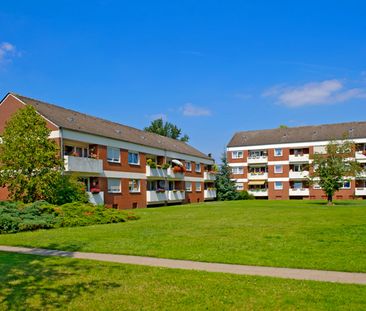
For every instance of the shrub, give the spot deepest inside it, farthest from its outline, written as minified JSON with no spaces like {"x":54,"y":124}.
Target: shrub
{"x":68,"y":189}
{"x":244,"y":195}
{"x":16,"y":217}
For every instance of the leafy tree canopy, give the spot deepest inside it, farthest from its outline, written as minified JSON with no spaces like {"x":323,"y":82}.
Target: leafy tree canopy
{"x":167,"y":129}
{"x":29,"y":162}
{"x":332,"y":168}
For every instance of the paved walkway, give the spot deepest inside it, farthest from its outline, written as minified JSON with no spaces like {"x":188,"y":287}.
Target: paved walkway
{"x":298,"y":274}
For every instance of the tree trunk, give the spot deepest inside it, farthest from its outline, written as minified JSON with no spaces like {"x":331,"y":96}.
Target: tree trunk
{"x":330,"y":199}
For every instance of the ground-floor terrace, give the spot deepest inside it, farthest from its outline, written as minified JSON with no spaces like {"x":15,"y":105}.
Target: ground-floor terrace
{"x":301,"y":189}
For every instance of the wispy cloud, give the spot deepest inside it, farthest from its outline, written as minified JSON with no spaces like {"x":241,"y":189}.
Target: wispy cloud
{"x":7,"y":50}
{"x":190,"y":110}
{"x":314,"y":93}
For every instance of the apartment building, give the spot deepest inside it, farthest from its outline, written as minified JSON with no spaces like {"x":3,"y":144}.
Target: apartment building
{"x":121,"y":166}
{"x":274,"y":164}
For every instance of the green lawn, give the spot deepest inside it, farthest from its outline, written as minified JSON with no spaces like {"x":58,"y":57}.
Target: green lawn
{"x":301,"y":234}
{"x":48,"y":283}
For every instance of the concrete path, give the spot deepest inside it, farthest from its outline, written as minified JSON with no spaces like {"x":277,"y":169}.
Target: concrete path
{"x":298,"y":274}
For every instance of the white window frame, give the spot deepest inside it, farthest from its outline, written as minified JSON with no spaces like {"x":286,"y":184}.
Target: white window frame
{"x":280,"y":154}
{"x":237,"y":154}
{"x":278,"y":171}
{"x":189,"y":166}
{"x":112,"y":152}
{"x":347,"y":188}
{"x":239,"y":186}
{"x":198,"y":189}
{"x":316,"y":187}
{"x":199,"y":166}
{"x":134,"y":182}
{"x":188,"y":186}
{"x":138,"y":158}
{"x":114,"y":188}
{"x":237,"y":170}
{"x":278,"y":187}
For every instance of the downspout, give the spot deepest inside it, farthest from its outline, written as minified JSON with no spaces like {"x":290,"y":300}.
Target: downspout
{"x":62,"y":151}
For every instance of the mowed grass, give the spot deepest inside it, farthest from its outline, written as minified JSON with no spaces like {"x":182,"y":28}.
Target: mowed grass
{"x":298,"y":234}
{"x":49,"y":283}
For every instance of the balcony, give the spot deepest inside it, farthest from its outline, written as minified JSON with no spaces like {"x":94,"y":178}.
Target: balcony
{"x":257,"y":176}
{"x":360,"y":191}
{"x":83,"y":165}
{"x":298,"y":175}
{"x":156,"y":172}
{"x":207,"y":176}
{"x":176,"y":195}
{"x":258,"y":159}
{"x":360,"y":156}
{"x":299,"y":157}
{"x":259,"y":192}
{"x":174,"y":175}
{"x":299,"y":192}
{"x":210,"y":194}
{"x":153,"y":196}
{"x":96,"y":198}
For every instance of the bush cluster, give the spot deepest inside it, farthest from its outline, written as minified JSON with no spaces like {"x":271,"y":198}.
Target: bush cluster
{"x":17,"y":217}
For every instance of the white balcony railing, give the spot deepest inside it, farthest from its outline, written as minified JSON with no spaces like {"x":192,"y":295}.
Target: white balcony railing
{"x":176,"y":195}
{"x":360,"y":191}
{"x":209,"y":176}
{"x":84,"y":165}
{"x":299,"y":158}
{"x":156,"y":172}
{"x":360,"y":156}
{"x":259,"y":192}
{"x":298,"y":175}
{"x":96,"y":198}
{"x":257,"y":159}
{"x":257,"y":176}
{"x":156,"y":196}
{"x":210,"y":194}
{"x":173,"y":175}
{"x":299,"y":192}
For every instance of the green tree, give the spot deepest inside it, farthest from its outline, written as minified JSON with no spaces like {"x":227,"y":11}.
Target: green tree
{"x":225,"y":187}
{"x":332,"y":168}
{"x":29,"y":163}
{"x":167,"y":129}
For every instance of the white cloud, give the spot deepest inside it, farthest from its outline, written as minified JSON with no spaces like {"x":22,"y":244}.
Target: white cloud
{"x":190,"y":110}
{"x":7,"y":51}
{"x":314,"y":93}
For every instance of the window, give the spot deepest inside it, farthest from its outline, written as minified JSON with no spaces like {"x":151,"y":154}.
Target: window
{"x":237,"y":154}
{"x":278,"y":185}
{"x":237,"y":170}
{"x":134,"y":185}
{"x":239,"y":186}
{"x":346,"y":185}
{"x":133,"y":158}
{"x":278,"y":169}
{"x":278,"y":152}
{"x":113,"y":155}
{"x":297,"y":185}
{"x":297,"y":168}
{"x":316,"y":186}
{"x":188,"y":186}
{"x":198,"y":186}
{"x":114,"y":185}
{"x":188,"y":166}
{"x":198,"y":167}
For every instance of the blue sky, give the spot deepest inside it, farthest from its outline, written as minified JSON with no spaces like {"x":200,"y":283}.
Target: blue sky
{"x":211,"y":67}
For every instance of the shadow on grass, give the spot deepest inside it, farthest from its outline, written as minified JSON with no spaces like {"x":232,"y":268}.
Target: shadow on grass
{"x":29,"y":282}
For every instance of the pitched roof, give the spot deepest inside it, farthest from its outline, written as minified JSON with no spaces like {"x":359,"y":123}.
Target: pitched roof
{"x":76,"y":121}
{"x":313,"y":133}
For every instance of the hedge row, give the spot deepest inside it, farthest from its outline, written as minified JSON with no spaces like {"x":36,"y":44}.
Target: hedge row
{"x":16,"y":217}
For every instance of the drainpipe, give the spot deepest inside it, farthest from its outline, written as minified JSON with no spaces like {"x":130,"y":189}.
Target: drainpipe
{"x":62,"y":150}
